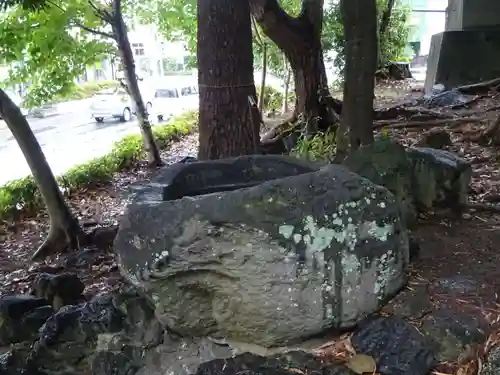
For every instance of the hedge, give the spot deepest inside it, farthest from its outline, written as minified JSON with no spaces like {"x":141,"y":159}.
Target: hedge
{"x":22,"y":196}
{"x":85,"y":90}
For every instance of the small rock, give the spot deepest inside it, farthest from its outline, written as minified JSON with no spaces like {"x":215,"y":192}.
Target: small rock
{"x":123,"y":323}
{"x":291,"y":363}
{"x":457,"y":285}
{"x":451,"y":333}
{"x":103,"y":237}
{"x":59,"y":290}
{"x":86,"y":258}
{"x":492,"y":363}
{"x":114,"y":363}
{"x":397,"y":347}
{"x":435,"y":138}
{"x":21,"y":317}
{"x":412,"y":303}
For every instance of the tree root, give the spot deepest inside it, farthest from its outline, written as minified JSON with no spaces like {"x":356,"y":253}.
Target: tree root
{"x":484,"y":207}
{"x":480,"y":88}
{"x":452,"y":122}
{"x":278,"y":129}
{"x":59,"y":240}
{"x":490,"y":136}
{"x":415,"y":113}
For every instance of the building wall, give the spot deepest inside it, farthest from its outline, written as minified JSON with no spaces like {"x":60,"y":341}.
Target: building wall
{"x":153,"y":55}
{"x":426,"y":24}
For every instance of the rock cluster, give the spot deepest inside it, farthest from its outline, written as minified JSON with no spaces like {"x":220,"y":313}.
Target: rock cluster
{"x":239,"y":265}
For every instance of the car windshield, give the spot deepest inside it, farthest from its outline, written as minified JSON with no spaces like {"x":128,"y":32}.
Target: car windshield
{"x":166,"y":93}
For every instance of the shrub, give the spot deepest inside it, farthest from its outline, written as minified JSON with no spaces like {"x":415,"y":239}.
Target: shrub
{"x":86,"y":90}
{"x":273,"y":99}
{"x":321,"y":147}
{"x":22,"y":195}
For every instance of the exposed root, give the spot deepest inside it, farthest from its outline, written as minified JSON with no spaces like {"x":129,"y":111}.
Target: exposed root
{"x":451,"y":122}
{"x":59,"y":240}
{"x":480,"y":88}
{"x":483,"y":207}
{"x":408,"y":113}
{"x":490,"y":136}
{"x":277,"y":130}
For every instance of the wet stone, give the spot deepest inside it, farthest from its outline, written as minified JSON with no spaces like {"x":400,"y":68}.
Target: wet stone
{"x":124,"y":323}
{"x":397,"y":347}
{"x":492,"y":363}
{"x":60,"y":290}
{"x":196,"y":178}
{"x":435,"y":138}
{"x":451,"y":332}
{"x":292,"y":363}
{"x":21,"y":316}
{"x":457,"y":285}
{"x":411,"y":303}
{"x":299,"y":255}
{"x":445,"y":99}
{"x":123,"y":362}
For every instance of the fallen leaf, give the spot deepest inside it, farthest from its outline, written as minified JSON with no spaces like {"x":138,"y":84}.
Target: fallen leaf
{"x":362,"y":364}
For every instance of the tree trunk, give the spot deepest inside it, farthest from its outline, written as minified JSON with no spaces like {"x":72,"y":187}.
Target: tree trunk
{"x":384,"y":25}
{"x":386,"y":17}
{"x":125,"y":51}
{"x":300,"y":40}
{"x":287,"y":87}
{"x":360,"y":27}
{"x":263,"y":80}
{"x":225,"y":78}
{"x":65,"y":232}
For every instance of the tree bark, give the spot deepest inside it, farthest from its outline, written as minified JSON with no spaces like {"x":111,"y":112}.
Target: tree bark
{"x":225,"y":78}
{"x":360,"y":27}
{"x":263,"y":80}
{"x":64,"y":231}
{"x":287,"y":86}
{"x":300,"y":40}
{"x":384,"y":25}
{"x":125,"y":51}
{"x":386,"y":17}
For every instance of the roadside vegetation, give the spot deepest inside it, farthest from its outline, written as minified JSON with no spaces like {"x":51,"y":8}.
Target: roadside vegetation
{"x":22,"y":196}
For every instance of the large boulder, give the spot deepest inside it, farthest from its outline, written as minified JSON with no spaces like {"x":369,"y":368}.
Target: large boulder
{"x":268,"y":264}
{"x":421,"y":178}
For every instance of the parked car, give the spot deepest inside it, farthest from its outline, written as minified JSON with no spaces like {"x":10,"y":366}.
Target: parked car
{"x":18,"y":100}
{"x":116,"y":103}
{"x":174,"y":98}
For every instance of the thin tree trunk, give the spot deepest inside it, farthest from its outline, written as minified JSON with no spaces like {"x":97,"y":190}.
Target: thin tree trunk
{"x":64,"y":231}
{"x":287,"y":88}
{"x":263,"y":80}
{"x":300,"y":40}
{"x":360,"y":28}
{"x":384,"y":25}
{"x":226,"y":80}
{"x":125,"y":51}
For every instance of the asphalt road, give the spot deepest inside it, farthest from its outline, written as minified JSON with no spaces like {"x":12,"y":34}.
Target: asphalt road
{"x":67,"y":140}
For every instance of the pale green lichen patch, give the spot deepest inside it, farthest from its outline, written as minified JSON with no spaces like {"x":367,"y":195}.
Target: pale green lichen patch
{"x":385,"y":269}
{"x":338,"y":227}
{"x":286,"y":231}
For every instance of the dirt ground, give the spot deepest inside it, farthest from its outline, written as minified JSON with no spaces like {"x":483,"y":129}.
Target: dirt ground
{"x":467,"y":246}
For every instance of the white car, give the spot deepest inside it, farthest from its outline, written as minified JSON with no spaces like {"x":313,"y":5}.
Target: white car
{"x":171,"y":99}
{"x":116,"y":103}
